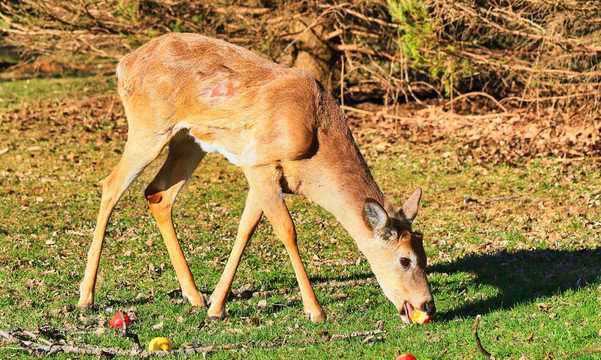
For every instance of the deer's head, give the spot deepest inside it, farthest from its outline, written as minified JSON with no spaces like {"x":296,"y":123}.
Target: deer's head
{"x":397,"y":256}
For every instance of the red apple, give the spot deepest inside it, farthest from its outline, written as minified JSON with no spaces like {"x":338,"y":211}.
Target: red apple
{"x":406,"y":357}
{"x":118,"y":318}
{"x":420,"y":317}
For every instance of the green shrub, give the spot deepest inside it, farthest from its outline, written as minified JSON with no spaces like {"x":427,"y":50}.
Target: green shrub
{"x":420,"y":41}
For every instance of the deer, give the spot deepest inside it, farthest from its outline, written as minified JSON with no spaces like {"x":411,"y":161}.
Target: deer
{"x":197,"y":95}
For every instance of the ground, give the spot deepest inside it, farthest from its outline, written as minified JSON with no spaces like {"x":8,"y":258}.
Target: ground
{"x":511,"y":220}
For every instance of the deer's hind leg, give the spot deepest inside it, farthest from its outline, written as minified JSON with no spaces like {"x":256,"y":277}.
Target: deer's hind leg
{"x":136,"y":156}
{"x":183,"y":158}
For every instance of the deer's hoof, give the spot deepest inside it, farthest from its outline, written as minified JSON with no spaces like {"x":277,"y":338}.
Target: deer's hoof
{"x":86,"y":302}
{"x":316,"y":316}
{"x":198,"y":300}
{"x":215,"y":312}
{"x":85,"y":306}
{"x":214,"y":318}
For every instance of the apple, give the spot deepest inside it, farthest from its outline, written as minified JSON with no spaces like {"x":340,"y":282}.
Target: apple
{"x":420,"y":317}
{"x":160,"y":344}
{"x":118,"y":318}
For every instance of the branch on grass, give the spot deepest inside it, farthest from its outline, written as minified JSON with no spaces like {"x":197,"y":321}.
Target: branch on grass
{"x":582,"y":352}
{"x":327,"y":285}
{"x":478,"y":344}
{"x":41,"y":346}
{"x":472,"y":199}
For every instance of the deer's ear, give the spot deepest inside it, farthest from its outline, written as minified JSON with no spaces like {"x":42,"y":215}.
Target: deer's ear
{"x":410,"y":208}
{"x":374,"y":214}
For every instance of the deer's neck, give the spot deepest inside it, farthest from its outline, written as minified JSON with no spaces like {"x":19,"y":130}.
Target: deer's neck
{"x":338,"y":179}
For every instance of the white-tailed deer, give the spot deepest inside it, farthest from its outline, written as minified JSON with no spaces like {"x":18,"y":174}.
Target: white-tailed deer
{"x":287,"y":134}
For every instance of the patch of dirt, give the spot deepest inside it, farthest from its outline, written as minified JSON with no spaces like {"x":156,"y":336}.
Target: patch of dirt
{"x":483,"y":131}
{"x":90,"y":115}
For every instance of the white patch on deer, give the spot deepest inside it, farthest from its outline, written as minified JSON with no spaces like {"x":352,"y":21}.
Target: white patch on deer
{"x":215,"y":147}
{"x":249,"y":154}
{"x":208,"y":147}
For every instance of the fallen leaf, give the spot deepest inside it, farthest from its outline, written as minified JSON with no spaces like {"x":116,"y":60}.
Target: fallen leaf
{"x":262,"y":304}
{"x":543,"y":307}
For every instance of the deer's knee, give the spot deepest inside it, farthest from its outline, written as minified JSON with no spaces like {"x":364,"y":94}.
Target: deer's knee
{"x":287,"y":234}
{"x":159,"y":205}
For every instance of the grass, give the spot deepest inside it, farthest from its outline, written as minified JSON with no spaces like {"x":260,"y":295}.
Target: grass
{"x":530,"y":266}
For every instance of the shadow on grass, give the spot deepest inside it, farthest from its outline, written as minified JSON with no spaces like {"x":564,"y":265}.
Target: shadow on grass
{"x":520,"y":276}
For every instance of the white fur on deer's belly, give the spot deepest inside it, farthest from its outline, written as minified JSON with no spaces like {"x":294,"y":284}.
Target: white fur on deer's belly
{"x":208,"y":147}
{"x":215,"y":147}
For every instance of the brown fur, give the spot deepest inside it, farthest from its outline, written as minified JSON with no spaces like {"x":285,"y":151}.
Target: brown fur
{"x":283,"y":129}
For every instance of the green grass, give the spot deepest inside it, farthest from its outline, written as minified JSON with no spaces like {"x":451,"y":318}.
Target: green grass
{"x":531,"y":268}
{"x":19,"y":94}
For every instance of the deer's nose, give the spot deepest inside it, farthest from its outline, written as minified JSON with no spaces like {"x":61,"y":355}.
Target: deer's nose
{"x":429,"y":307}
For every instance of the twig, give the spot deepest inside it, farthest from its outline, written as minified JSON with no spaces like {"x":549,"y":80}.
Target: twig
{"x":342,"y":80}
{"x":110,"y":110}
{"x":583,"y":352}
{"x":355,"y":48}
{"x":37,"y":337}
{"x":470,"y":198}
{"x":371,"y":19}
{"x":359,"y":111}
{"x":53,"y":348}
{"x":309,"y":27}
{"x":371,"y":113}
{"x":242,"y":10}
{"x":479,"y":93}
{"x":551,"y":98}
{"x":479,"y":117}
{"x":329,"y":284}
{"x":478,"y":344}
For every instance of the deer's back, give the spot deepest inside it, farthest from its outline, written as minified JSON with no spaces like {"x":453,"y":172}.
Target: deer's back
{"x":227,"y":97}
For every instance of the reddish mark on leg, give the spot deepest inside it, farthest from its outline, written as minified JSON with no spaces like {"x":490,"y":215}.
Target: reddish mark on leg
{"x":154,"y":198}
{"x":225,"y":88}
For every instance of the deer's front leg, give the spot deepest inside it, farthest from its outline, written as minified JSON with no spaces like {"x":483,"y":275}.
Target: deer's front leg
{"x":265,"y":181}
{"x":250,"y":218}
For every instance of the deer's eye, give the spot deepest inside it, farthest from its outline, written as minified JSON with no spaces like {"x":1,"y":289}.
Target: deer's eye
{"x":405,"y":262}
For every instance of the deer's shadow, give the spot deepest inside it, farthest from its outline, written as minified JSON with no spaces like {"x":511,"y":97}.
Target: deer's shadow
{"x":518,"y":277}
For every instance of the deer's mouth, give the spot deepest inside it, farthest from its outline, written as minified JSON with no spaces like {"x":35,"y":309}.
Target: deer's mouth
{"x":405,"y":312}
